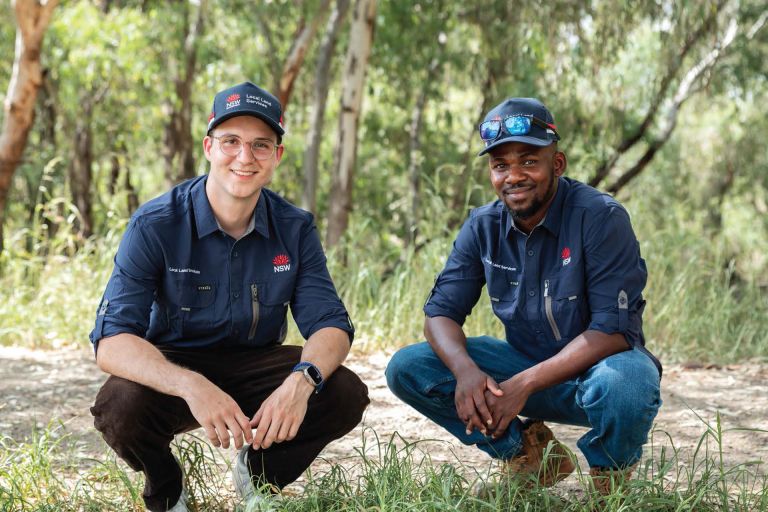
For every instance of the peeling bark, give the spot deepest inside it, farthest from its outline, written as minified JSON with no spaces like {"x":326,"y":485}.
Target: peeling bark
{"x":32,"y":20}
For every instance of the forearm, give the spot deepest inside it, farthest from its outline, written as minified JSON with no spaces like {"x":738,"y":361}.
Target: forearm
{"x":449,"y":342}
{"x":135,"y":359}
{"x":577,"y":357}
{"x":327,"y":349}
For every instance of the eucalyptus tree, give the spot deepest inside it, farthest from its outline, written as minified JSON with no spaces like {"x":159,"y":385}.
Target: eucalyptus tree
{"x":106,"y":99}
{"x":345,"y":159}
{"x":32,"y":18}
{"x":323,"y":68}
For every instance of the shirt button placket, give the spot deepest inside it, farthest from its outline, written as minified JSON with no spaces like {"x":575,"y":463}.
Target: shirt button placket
{"x":236,"y":280}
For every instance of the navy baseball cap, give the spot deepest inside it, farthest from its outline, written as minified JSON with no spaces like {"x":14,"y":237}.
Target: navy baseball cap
{"x":524,"y":120}
{"x":246,"y":99}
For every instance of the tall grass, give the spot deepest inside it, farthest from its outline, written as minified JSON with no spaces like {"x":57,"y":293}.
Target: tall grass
{"x":44,"y":474}
{"x":707,"y":296}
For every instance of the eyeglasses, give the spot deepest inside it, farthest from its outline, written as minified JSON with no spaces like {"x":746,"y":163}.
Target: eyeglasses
{"x":518,"y":124}
{"x":232,"y":145}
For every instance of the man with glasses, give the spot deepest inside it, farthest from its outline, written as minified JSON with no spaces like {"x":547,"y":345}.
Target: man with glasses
{"x":564,"y":274}
{"x":192,"y":320}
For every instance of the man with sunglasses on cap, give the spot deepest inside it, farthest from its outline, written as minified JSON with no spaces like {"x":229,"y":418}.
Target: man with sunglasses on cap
{"x":564,"y":274}
{"x":192,"y":320}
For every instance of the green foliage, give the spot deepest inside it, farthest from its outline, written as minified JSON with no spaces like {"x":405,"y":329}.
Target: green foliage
{"x":699,"y":208}
{"x":46,"y":473}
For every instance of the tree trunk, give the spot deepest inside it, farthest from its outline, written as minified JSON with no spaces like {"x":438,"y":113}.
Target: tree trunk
{"x":114,"y":174}
{"x":322,"y":83}
{"x":358,"y":51}
{"x":414,"y":151}
{"x":80,"y":169}
{"x":132,"y":198}
{"x":296,"y":55}
{"x":32,"y":19}
{"x":458,"y":201}
{"x":179,"y":145}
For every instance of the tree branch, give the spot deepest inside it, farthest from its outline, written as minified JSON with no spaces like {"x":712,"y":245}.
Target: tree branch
{"x":296,"y":54}
{"x":607,"y":166}
{"x":684,"y":91}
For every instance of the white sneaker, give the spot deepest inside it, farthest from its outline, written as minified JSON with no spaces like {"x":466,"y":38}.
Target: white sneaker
{"x":181,"y":505}
{"x":253,"y":500}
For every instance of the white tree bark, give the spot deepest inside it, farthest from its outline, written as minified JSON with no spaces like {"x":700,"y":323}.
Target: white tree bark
{"x":358,"y":52}
{"x":32,"y":18}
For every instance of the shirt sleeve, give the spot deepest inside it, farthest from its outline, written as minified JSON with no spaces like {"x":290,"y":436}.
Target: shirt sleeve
{"x":615,"y":275}
{"x":457,"y":288}
{"x":315,"y":303}
{"x":127,"y":300}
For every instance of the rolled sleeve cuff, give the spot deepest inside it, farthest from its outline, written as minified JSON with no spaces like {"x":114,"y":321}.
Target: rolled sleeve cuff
{"x":433,"y":310}
{"x":611,"y":322}
{"x":343,"y":322}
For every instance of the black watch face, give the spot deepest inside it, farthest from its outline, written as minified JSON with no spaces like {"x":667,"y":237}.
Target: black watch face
{"x":314,"y":374}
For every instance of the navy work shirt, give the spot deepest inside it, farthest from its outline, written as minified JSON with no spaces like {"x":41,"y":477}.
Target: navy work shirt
{"x":179,"y":280}
{"x":579,"y":269}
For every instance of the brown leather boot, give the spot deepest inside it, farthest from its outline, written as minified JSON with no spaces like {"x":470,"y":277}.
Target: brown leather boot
{"x":605,"y":480}
{"x":536,"y":439}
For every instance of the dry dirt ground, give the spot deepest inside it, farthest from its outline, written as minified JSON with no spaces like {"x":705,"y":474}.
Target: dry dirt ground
{"x":38,"y":386}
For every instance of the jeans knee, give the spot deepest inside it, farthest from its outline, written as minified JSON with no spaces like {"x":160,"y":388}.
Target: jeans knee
{"x":629,"y":393}
{"x":399,"y":370}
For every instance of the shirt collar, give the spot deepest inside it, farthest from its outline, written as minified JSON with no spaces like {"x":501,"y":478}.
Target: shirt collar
{"x":552,"y":219}
{"x":206,"y":222}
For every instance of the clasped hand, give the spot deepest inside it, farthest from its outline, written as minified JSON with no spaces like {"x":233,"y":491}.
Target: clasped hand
{"x":483,"y":404}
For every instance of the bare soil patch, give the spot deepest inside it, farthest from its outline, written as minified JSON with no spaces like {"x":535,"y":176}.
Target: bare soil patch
{"x":39,"y":386}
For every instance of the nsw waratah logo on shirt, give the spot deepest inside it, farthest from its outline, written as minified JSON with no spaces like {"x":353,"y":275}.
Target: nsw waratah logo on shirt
{"x":281,"y":263}
{"x":566,"y":256}
{"x":233,"y":100}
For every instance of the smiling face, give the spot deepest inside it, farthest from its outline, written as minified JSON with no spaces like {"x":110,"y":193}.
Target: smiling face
{"x":525,"y":179}
{"x":239,"y":179}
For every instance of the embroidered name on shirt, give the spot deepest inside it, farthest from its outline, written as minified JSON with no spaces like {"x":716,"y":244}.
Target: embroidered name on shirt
{"x":281,"y":263}
{"x":183,"y":270}
{"x":496,"y":265}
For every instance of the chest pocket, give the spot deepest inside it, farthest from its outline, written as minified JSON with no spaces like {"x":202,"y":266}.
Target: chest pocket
{"x":269,"y":310}
{"x":196,"y":309}
{"x":503,"y":289}
{"x":565,"y":307}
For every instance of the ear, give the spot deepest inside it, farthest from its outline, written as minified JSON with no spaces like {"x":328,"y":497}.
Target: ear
{"x":560,"y":163}
{"x":279,"y":154}
{"x":207,"y":147}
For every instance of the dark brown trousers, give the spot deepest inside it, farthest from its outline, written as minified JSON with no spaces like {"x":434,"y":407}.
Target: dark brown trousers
{"x":140,"y":423}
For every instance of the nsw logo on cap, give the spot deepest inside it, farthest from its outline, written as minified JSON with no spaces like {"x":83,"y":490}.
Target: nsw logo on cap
{"x":233,"y":100}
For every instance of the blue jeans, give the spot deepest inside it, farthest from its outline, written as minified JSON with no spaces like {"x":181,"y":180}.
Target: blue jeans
{"x":617,"y":398}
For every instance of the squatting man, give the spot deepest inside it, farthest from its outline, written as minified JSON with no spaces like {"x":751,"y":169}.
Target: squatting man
{"x":191,"y":322}
{"x":564,"y":275}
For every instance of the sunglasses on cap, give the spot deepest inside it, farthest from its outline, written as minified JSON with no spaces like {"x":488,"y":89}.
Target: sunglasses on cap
{"x":518,"y":124}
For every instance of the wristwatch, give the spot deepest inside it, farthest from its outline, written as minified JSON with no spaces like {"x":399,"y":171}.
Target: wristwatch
{"x":311,"y":373}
